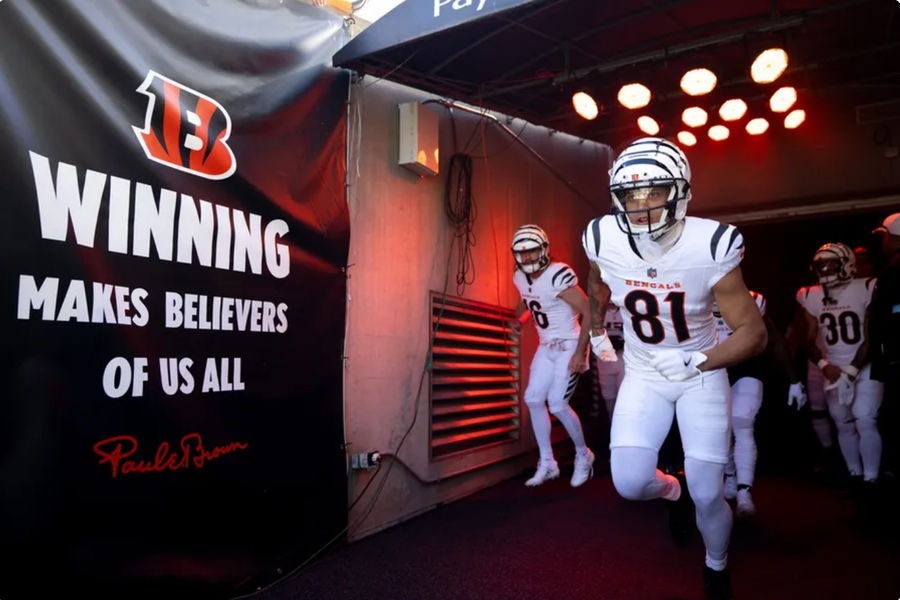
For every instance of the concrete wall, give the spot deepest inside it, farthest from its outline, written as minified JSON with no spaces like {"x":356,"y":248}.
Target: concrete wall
{"x":399,"y":252}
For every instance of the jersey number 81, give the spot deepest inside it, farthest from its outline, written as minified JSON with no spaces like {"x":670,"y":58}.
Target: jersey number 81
{"x":644,"y":308}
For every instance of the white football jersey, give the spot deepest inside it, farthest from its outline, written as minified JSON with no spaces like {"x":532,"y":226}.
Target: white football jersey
{"x":722,"y":328}
{"x":840,"y":316}
{"x":554,"y":317}
{"x":666,"y":303}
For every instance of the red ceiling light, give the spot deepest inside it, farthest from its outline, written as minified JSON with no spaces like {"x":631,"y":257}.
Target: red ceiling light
{"x":585,"y":105}
{"x":697,"y":82}
{"x":783,"y":99}
{"x":634,"y":95}
{"x":687,"y":138}
{"x":732,"y":110}
{"x":694,"y":116}
{"x":648,"y":125}
{"x":757,"y":126}
{"x":718,"y":132}
{"x":769,"y":65}
{"x":794,"y":118}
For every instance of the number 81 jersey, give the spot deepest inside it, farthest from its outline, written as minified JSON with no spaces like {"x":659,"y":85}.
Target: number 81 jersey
{"x":666,"y":302}
{"x":841,"y":315}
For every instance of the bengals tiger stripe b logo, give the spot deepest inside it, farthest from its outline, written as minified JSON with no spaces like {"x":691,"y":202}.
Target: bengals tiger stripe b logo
{"x":184,"y":129}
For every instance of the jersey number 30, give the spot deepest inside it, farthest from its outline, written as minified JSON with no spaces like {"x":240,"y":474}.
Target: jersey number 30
{"x":845,"y":327}
{"x":644,"y":308}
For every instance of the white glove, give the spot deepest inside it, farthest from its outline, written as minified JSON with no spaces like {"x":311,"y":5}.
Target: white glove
{"x":845,"y":389}
{"x":603,"y":348}
{"x":677,"y":365}
{"x":797,"y":395}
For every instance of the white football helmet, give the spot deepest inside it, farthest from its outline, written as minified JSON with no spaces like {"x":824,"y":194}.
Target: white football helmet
{"x":648,"y":163}
{"x":834,"y":264}
{"x":527,"y":239}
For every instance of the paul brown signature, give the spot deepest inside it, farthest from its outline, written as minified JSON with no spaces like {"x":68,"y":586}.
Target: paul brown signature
{"x":190,"y":452}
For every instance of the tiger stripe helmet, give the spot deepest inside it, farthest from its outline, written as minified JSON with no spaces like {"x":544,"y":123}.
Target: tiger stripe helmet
{"x":647,"y":163}
{"x":833,"y":263}
{"x":528,"y":238}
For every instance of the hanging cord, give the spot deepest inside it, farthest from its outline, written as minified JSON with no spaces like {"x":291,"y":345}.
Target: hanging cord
{"x":461,"y":212}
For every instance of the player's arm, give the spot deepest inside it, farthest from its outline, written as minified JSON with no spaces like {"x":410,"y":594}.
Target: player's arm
{"x":778,"y":351}
{"x":813,"y":352}
{"x":522,"y":316}
{"x":810,"y":334}
{"x":798,"y":330}
{"x":575,"y":298}
{"x":598,"y":293}
{"x":861,"y":358}
{"x":742,"y":315}
{"x":795,"y":335}
{"x":522,"y":313}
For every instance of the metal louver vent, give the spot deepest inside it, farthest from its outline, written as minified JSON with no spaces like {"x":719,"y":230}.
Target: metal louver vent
{"x":474,"y":377}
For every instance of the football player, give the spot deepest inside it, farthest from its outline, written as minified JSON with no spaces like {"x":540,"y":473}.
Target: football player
{"x":665,"y":270}
{"x":815,"y":392}
{"x":838,"y":308}
{"x":746,"y":381}
{"x":551,"y":296}
{"x":611,"y":372}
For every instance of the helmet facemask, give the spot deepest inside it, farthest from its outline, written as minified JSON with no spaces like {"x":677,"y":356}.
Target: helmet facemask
{"x":827,"y":270}
{"x":634,"y":205}
{"x":532,"y":260}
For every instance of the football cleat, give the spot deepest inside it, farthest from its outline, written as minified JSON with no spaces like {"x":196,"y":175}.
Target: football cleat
{"x":716,"y":584}
{"x":546,"y":470}
{"x":584,"y":468}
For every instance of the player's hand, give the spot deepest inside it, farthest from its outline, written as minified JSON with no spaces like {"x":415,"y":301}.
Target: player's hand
{"x":797,"y":395}
{"x":677,"y":365}
{"x":603,"y":348}
{"x":845,"y":389}
{"x":577,"y":364}
{"x":515,"y":327}
{"x":831,"y":372}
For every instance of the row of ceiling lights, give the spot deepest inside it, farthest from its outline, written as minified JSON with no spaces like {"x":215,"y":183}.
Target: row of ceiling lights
{"x":766,"y":68}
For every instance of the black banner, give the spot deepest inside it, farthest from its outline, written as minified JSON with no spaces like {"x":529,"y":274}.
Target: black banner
{"x":173,"y":234}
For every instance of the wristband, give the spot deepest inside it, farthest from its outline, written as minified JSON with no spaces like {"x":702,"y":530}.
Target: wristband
{"x":851,"y":371}
{"x":823,"y":362}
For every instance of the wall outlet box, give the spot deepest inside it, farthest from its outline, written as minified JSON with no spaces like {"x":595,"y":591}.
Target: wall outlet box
{"x":419,"y":139}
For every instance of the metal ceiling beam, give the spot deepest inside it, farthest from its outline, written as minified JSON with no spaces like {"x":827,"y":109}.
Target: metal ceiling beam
{"x":585,"y":34}
{"x":664,"y":53}
{"x":738,"y":35}
{"x":808,"y":210}
{"x":671,"y":51}
{"x":651,"y":55}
